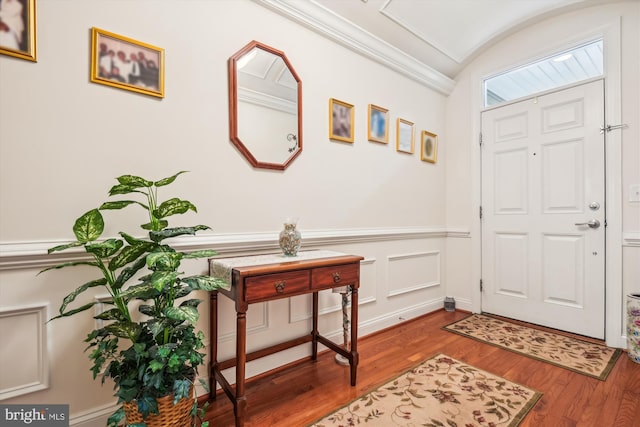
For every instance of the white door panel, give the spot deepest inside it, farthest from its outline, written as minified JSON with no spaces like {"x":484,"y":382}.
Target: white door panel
{"x":542,"y":165}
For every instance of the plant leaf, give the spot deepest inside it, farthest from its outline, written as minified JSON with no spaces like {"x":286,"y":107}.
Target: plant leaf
{"x":111,"y":314}
{"x":160,"y":279}
{"x":172,"y":207}
{"x":129,"y":254}
{"x":157,"y":236}
{"x":105,"y":249}
{"x":75,"y":310}
{"x":134,"y":181}
{"x":147,"y":405}
{"x":119,"y":204}
{"x":128,"y":272}
{"x":205,"y":253}
{"x":189,"y":314}
{"x":63,"y":247}
{"x":162,"y":223}
{"x":89,"y":226}
{"x":191,"y":303}
{"x":133,"y":241}
{"x":69,"y":264}
{"x":169,"y":180}
{"x":123,"y":189}
{"x":181,"y":389}
{"x":143,"y":291}
{"x":164,"y":261}
{"x":115,"y":418}
{"x":206,"y":283}
{"x":124,"y":329}
{"x":72,"y":296}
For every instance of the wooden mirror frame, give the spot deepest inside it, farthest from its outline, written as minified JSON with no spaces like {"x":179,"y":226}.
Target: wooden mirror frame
{"x":233,"y":107}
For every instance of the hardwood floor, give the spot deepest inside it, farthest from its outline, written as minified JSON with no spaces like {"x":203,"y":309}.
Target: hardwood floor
{"x":301,"y":393}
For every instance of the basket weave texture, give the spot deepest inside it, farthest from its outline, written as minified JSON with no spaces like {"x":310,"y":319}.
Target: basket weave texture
{"x":169,"y":415}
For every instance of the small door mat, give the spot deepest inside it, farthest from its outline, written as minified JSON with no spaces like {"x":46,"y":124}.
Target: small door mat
{"x":584,"y":357}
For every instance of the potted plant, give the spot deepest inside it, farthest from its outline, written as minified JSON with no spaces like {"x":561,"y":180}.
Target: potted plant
{"x":147,"y":343}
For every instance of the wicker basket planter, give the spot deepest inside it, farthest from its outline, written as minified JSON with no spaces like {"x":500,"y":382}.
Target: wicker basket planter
{"x":169,"y":415}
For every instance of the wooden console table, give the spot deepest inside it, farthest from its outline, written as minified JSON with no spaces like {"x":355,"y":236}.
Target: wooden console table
{"x":268,"y":277}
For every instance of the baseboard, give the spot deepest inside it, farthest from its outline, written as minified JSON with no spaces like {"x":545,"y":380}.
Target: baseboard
{"x":96,"y":417}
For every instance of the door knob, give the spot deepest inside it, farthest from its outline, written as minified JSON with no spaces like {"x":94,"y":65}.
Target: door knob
{"x":594,"y":223}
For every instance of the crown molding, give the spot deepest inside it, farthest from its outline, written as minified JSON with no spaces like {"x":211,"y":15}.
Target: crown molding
{"x":329,"y":24}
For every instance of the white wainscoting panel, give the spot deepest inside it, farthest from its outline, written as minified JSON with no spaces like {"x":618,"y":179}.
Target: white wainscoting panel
{"x":24,"y":339}
{"x":412,"y":272}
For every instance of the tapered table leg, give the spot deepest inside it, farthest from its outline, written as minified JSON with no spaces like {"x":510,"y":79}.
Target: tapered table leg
{"x":241,"y":358}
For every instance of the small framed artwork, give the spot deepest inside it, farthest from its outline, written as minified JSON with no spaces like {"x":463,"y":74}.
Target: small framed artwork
{"x":125,"y":63}
{"x":429,"y":147}
{"x":404,"y":136}
{"x":18,"y":28}
{"x":340,"y":120}
{"x":378,"y":124}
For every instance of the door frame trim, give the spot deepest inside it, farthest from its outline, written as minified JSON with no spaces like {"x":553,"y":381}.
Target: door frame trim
{"x":614,"y":330}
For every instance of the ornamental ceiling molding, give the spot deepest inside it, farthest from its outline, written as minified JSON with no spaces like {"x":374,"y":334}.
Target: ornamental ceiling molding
{"x":334,"y":27}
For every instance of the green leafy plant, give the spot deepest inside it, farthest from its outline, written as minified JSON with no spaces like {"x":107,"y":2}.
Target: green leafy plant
{"x":147,"y":343}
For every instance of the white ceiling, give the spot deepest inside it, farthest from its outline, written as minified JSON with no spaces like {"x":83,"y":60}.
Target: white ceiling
{"x":445,"y":34}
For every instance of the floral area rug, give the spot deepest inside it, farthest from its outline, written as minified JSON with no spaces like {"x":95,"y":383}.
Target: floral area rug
{"x":584,"y":357}
{"x":441,"y":391}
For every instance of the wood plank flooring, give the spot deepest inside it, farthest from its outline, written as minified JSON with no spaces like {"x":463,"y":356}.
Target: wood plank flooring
{"x":298,"y":394}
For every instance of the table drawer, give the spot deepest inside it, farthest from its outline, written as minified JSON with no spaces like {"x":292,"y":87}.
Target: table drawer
{"x":276,"y":285}
{"x":338,"y":275}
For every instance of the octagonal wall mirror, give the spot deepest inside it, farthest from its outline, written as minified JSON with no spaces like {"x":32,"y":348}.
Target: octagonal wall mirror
{"x":265,"y":106}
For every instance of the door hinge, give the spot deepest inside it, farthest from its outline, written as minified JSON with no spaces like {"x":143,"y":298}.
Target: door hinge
{"x":481,"y":288}
{"x":480,"y":139}
{"x":480,"y":212}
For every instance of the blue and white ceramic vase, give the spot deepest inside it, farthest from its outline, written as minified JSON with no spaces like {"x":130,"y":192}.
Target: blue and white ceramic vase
{"x":633,"y":327}
{"x":290,"y":238}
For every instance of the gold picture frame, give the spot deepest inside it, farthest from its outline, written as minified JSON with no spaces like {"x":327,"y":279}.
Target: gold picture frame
{"x":18,"y":29}
{"x":341,"y":120}
{"x":378,"y":124}
{"x":404,"y":136}
{"x":126,"y":63}
{"x":429,"y":147}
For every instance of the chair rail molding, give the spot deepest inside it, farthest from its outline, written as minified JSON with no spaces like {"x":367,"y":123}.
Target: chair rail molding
{"x":631,"y":239}
{"x":34,"y":254}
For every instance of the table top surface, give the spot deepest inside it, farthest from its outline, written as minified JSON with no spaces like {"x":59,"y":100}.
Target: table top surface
{"x":223,"y":267}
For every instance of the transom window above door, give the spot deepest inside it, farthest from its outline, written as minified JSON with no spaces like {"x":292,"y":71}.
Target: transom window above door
{"x":571,"y":66}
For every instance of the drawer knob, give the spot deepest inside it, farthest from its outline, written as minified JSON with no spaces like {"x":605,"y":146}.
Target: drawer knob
{"x":336,"y":277}
{"x":279,"y":287}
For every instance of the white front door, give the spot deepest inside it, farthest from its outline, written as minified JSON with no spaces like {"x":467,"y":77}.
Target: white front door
{"x":543,"y":213}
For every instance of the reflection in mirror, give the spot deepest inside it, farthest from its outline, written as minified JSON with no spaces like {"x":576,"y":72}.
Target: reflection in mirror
{"x":265,"y":108}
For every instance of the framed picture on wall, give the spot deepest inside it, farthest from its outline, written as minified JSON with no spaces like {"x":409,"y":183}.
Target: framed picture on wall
{"x":378,"y":124}
{"x":429,"y":147}
{"x":18,"y":28}
{"x":340,"y":120}
{"x":125,"y":63}
{"x":404,"y":136}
